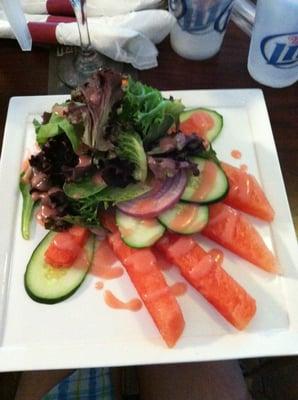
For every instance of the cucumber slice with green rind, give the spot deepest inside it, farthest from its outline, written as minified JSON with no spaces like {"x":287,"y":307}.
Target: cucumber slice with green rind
{"x":185,"y":218}
{"x":210,"y":186}
{"x":213,"y":132}
{"x":49,"y":285}
{"x":137,"y":232}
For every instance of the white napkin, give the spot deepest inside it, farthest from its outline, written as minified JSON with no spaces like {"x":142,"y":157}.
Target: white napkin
{"x":127,"y":38}
{"x":115,"y":7}
{"x":96,"y":7}
{"x":154,"y":24}
{"x":5,"y":29}
{"x":124,"y":45}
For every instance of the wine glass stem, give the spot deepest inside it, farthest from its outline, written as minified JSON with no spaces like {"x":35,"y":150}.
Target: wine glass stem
{"x":76,"y":70}
{"x":79,"y":8}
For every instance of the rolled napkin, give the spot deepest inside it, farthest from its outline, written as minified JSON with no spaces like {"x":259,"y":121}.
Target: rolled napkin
{"x":125,"y":38}
{"x":121,"y":44}
{"x":95,"y":8}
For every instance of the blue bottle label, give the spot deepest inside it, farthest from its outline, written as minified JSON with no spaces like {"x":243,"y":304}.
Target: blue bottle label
{"x":281,"y":51}
{"x":196,"y":18}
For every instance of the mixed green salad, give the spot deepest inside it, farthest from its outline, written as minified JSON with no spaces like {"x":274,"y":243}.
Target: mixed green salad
{"x":113,"y":142}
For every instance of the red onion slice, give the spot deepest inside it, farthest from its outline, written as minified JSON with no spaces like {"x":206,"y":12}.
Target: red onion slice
{"x":163,"y":196}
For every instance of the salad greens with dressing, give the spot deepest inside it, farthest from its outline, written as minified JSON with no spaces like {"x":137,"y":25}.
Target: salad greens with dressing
{"x":109,"y":144}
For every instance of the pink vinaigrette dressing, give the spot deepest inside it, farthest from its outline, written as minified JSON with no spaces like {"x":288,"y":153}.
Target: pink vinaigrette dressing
{"x":178,"y":289}
{"x":244,"y":167}
{"x":65,"y":241}
{"x":39,"y":217}
{"x":99,"y":285}
{"x":236,"y":154}
{"x":103,"y":267}
{"x":103,"y":262}
{"x":201,"y":122}
{"x":217,"y":255}
{"x":25,"y":165}
{"x":184,"y":218}
{"x":82,"y":261}
{"x":43,"y":213}
{"x":112,"y":301}
{"x":208,"y":176}
{"x":97,"y":179}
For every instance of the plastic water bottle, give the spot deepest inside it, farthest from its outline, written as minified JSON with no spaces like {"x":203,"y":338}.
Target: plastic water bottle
{"x":273,"y":53}
{"x":200,"y":27}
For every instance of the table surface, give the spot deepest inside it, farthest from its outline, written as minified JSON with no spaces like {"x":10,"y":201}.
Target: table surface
{"x":26,"y":74}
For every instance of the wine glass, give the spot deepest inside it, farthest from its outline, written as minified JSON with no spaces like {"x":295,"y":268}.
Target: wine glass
{"x":74,"y":69}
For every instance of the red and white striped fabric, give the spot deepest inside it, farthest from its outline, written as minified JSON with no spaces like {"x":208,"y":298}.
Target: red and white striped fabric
{"x":126,"y":38}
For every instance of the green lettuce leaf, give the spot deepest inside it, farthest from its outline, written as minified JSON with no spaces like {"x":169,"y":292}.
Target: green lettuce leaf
{"x":56,"y":126}
{"x":148,"y":111}
{"x":101,"y":93}
{"x":27,"y":207}
{"x":130,"y":148}
{"x":84,"y":211}
{"x":84,"y":188}
{"x":116,"y":195}
{"x":87,"y":222}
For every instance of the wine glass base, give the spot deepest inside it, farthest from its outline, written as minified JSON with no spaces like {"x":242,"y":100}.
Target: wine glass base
{"x":75,"y":68}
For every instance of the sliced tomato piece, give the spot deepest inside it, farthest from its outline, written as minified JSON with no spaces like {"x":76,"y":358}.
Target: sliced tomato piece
{"x":229,"y":228}
{"x":246,"y":194}
{"x":202,"y":271}
{"x":142,"y":268}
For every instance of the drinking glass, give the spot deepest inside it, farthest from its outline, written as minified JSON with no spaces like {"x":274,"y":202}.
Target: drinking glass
{"x":200,"y":26}
{"x":74,"y":69}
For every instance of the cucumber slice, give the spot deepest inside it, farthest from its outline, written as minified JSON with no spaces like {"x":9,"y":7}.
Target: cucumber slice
{"x":185,"y":218}
{"x":212,"y":132}
{"x":137,"y":232}
{"x":210,"y":186}
{"x":47,"y":284}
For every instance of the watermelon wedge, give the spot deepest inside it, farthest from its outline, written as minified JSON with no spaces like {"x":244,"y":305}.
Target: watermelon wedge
{"x":229,"y":228}
{"x":66,"y":247}
{"x":246,"y":194}
{"x":79,"y":234}
{"x":142,"y":268}
{"x":61,"y":257}
{"x":202,"y":271}
{"x":108,"y":221}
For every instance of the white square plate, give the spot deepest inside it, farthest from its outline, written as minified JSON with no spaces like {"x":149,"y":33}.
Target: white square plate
{"x":82,"y":331}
